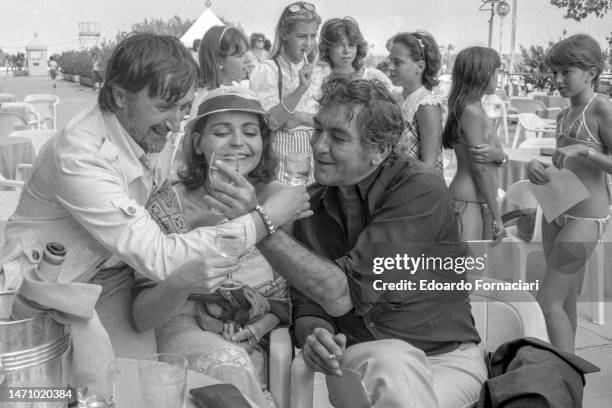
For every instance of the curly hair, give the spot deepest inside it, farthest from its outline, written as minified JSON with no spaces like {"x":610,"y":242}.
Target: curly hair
{"x":379,"y":117}
{"x":422,"y":46}
{"x":195,"y":170}
{"x":160,"y":63}
{"x":580,"y":51}
{"x":334,"y":31}
{"x":218,"y":43}
{"x":472,"y":72}
{"x":255,"y":37}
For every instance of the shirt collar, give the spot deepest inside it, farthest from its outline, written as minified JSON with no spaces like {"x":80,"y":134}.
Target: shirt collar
{"x":133,"y":160}
{"x":369,"y":189}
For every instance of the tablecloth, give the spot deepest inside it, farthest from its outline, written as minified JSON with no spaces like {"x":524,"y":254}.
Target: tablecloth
{"x":13,"y":151}
{"x":515,"y":170}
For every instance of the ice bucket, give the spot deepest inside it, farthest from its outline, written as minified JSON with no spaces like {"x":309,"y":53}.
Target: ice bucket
{"x":33,"y":353}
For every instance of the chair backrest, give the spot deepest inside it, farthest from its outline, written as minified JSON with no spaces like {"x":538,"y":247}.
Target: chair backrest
{"x":518,"y":194}
{"x":494,"y":106}
{"x":526,"y":105}
{"x":503,"y":315}
{"x":543,"y":142}
{"x":10,"y":121}
{"x":45,"y":105}
{"x":531,"y":121}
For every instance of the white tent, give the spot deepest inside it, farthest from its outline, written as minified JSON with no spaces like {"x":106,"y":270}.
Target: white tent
{"x":199,"y":28}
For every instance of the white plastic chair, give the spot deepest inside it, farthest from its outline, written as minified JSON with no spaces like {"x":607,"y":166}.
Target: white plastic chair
{"x":499,"y":316}
{"x":495,"y":109}
{"x":27,"y":110}
{"x":10,"y":121}
{"x":531,"y":123}
{"x":46,"y":106}
{"x":539,"y":143}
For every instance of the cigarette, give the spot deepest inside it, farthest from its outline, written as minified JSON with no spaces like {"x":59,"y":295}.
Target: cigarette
{"x":306,"y":59}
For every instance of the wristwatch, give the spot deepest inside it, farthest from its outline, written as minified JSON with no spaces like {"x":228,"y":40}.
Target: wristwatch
{"x":265,"y":216}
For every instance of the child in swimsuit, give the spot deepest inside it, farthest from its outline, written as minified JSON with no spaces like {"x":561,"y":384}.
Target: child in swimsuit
{"x":584,"y":132}
{"x":470,"y":133}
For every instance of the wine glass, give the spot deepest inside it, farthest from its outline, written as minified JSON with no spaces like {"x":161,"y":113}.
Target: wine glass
{"x":297,"y":169}
{"x":230,"y":158}
{"x":230,"y":241}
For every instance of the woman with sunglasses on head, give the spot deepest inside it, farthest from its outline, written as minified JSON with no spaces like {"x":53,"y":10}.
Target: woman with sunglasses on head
{"x":344,"y":49}
{"x":288,"y":82}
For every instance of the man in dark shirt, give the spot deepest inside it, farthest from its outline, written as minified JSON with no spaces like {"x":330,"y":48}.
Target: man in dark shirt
{"x":382,"y":346}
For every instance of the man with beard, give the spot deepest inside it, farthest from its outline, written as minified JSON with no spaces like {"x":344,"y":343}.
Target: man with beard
{"x":91,"y":181}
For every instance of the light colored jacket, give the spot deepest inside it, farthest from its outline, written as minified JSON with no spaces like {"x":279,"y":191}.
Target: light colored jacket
{"x":87,"y":191}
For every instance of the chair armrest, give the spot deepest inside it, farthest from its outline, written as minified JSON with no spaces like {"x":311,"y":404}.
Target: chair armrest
{"x":302,"y":383}
{"x":281,"y":353}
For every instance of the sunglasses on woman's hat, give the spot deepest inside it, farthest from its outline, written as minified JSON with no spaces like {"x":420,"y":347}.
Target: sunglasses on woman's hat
{"x":295,"y":7}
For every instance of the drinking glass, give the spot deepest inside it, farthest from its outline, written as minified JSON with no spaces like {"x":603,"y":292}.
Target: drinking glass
{"x":163,"y":380}
{"x":230,"y":158}
{"x":230,"y":241}
{"x":298,"y":169}
{"x":99,"y":392}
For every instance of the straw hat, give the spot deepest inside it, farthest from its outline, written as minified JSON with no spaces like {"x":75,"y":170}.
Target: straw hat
{"x":230,"y":99}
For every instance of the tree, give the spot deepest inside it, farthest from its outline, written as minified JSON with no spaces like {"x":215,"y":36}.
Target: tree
{"x":579,"y":9}
{"x":175,"y":26}
{"x":532,"y":65}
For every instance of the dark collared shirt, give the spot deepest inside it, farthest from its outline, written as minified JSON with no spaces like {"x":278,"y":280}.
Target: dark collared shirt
{"x":404,"y":208}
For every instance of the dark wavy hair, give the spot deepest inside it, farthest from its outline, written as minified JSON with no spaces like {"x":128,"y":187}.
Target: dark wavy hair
{"x":379,"y":117}
{"x":334,"y":31}
{"x":195,"y":170}
{"x":255,"y":37}
{"x":472,"y":73}
{"x":427,"y":52}
{"x":580,"y":51}
{"x":218,"y":43}
{"x":160,"y":63}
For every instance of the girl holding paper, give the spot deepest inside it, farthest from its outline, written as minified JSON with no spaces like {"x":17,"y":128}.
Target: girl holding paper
{"x":584,"y":132}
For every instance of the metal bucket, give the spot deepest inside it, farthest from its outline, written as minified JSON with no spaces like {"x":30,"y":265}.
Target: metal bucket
{"x":33,"y":353}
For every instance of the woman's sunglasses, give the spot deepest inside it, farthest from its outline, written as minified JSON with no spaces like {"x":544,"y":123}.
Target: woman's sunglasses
{"x":296,"y":7}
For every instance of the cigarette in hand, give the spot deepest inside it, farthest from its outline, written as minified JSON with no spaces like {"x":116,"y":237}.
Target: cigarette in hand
{"x":306,"y":59}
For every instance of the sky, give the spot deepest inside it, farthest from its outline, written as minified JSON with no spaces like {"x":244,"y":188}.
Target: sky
{"x":456,"y":22}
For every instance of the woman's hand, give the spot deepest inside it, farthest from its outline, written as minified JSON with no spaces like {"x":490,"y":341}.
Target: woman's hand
{"x":232,"y":332}
{"x":486,"y":153}
{"x":536,"y":172}
{"x":566,"y":152}
{"x":235,"y":198}
{"x":288,"y":205}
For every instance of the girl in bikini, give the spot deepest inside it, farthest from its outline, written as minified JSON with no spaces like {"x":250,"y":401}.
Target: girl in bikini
{"x":584,"y":132}
{"x":470,"y":133}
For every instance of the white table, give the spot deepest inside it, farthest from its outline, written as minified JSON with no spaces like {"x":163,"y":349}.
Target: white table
{"x":127,"y":391}
{"x":515,"y":170}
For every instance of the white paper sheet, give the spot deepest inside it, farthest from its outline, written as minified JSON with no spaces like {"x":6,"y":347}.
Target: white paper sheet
{"x":562,"y":192}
